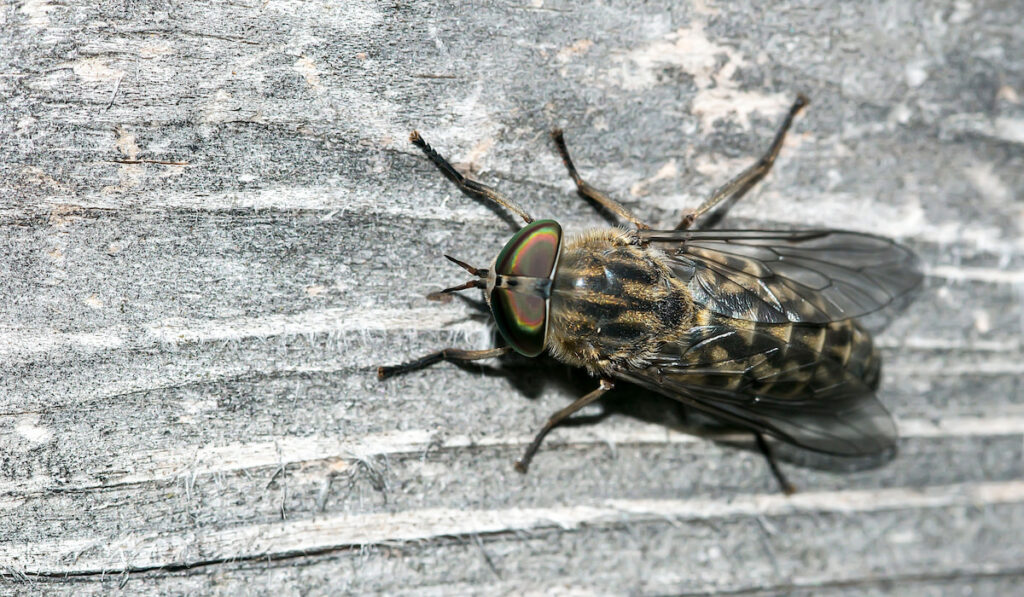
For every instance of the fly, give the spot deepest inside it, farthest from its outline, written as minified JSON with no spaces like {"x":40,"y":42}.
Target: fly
{"x":770,"y":330}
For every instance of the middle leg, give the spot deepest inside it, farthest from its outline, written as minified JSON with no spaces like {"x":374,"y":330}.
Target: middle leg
{"x":588,"y":192}
{"x":523,"y":464}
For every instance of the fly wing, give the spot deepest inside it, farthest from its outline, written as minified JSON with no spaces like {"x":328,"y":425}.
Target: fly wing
{"x":763,"y":381}
{"x":800,"y":277}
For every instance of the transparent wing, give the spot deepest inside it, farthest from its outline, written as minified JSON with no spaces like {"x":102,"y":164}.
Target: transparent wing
{"x":804,"y":276}
{"x":767,"y":382}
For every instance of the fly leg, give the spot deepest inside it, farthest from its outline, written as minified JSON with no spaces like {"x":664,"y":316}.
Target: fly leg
{"x":784,"y":484}
{"x":452,"y":355}
{"x":468,"y":185}
{"x":738,"y":186}
{"x":588,"y":192}
{"x":523,"y":464}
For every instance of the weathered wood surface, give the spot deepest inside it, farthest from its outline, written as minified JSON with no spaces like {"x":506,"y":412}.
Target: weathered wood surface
{"x":213,"y":230}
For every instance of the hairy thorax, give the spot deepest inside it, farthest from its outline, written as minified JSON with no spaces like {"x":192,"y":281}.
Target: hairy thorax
{"x":614,"y":303}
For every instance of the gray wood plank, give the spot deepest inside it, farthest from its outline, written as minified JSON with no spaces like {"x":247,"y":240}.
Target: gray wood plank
{"x":213,"y":230}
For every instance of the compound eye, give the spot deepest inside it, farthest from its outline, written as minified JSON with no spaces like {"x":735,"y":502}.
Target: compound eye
{"x":532,"y":251}
{"x":522,"y":316}
{"x":522,"y":319}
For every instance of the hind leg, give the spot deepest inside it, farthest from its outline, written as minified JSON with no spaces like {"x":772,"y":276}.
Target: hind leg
{"x":784,"y":484}
{"x":744,"y":181}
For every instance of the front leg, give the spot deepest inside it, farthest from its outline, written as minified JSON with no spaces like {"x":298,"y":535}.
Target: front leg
{"x":452,"y":355}
{"x":469,"y":186}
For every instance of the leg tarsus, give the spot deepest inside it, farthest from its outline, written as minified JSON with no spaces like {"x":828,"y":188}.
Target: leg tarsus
{"x":740,"y":184}
{"x":455,"y":355}
{"x":687,"y":221}
{"x":523,"y":464}
{"x":468,"y":185}
{"x":784,"y":484}
{"x":588,"y":192}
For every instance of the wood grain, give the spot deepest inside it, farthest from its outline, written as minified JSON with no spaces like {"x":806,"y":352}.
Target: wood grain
{"x":213,"y":230}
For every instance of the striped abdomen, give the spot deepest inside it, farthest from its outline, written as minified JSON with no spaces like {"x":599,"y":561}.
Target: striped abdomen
{"x":784,"y":361}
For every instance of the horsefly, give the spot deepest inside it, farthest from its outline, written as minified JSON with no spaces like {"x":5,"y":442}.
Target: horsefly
{"x":768,"y":330}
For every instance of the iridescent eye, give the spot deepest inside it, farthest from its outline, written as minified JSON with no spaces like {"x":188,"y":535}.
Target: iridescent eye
{"x":521,"y":312}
